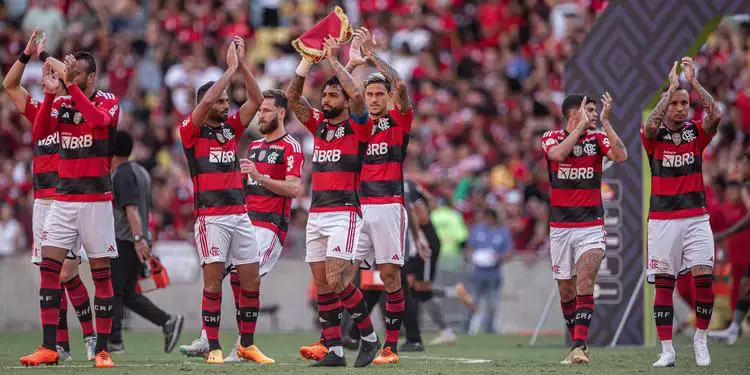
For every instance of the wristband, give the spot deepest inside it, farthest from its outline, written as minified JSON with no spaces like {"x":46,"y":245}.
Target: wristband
{"x":24,"y":58}
{"x":43,"y":56}
{"x":303,"y":67}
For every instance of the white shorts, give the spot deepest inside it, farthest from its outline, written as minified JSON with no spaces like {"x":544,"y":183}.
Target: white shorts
{"x":269,"y":247}
{"x":567,"y":245}
{"x":72,"y":224}
{"x":674,"y":246}
{"x":383,"y":234}
{"x":332,"y":235}
{"x":39,"y":216}
{"x":228,"y":239}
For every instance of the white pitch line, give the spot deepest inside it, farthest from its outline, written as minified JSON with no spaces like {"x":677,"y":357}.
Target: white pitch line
{"x":452,"y":359}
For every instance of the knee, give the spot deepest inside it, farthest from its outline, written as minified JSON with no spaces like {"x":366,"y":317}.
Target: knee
{"x":567,"y":290}
{"x":69,"y":271}
{"x":585,"y":285}
{"x":252,"y":283}
{"x":212,"y":284}
{"x":335,"y":281}
{"x":391,"y":280}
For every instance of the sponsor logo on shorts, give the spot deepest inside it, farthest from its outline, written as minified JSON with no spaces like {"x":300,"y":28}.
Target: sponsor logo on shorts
{"x":111,"y":249}
{"x":395,"y":257}
{"x":337,"y":249}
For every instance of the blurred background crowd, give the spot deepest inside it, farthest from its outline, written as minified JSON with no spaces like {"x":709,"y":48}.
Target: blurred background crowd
{"x":485,"y":77}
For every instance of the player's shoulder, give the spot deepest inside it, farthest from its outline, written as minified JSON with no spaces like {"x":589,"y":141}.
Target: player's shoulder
{"x":597,"y":133}
{"x":107,"y":96}
{"x":553,"y":133}
{"x":62,"y":99}
{"x":291,"y":143}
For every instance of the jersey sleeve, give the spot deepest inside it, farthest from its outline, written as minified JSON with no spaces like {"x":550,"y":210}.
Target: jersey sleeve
{"x":548,"y":141}
{"x":703,"y":138}
{"x":363,"y":130}
{"x":405,"y":120}
{"x":112,"y":107}
{"x":604,"y":145}
{"x":648,"y":144}
{"x":189,"y":132}
{"x":316,"y":116}
{"x":31,"y":109}
{"x":236,"y":124}
{"x":294,"y":162}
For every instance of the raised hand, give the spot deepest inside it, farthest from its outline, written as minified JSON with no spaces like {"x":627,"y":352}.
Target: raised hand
{"x":40,"y":47}
{"x":366,"y":40}
{"x":50,"y":79}
{"x":240,"y":43}
{"x":71,"y":69}
{"x":31,"y":45}
{"x":331,"y":49}
{"x":232,"y":59}
{"x":689,"y":68}
{"x":355,"y":52}
{"x":674,"y":79}
{"x":606,"y":107}
{"x":583,"y":117}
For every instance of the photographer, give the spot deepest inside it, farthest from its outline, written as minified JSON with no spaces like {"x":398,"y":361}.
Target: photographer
{"x":132,"y":191}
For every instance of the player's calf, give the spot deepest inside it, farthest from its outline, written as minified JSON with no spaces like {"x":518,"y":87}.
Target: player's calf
{"x":587,"y":267}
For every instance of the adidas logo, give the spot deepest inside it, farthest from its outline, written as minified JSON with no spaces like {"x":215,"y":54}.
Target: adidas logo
{"x":337,"y":249}
{"x":395,"y":257}
{"x":66,"y":115}
{"x":355,"y":316}
{"x":321,"y":320}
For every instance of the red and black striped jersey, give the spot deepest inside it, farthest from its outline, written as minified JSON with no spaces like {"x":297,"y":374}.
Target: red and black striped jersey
{"x":576,"y":199}
{"x":383,"y":167}
{"x":337,"y":162}
{"x":85,"y":128}
{"x":275,"y":159}
{"x":676,"y":162}
{"x":46,"y":157}
{"x":211,"y":154}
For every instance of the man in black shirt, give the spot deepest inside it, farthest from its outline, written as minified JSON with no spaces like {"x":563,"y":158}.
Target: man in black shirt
{"x":132,"y":193}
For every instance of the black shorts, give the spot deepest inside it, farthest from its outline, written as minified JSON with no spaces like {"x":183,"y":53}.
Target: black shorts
{"x":416,"y":266}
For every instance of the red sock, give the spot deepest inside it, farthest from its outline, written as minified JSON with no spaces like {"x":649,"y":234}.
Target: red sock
{"x":394,"y":310}
{"x":329,"y":315}
{"x":663,"y":306}
{"x":62,"y":324}
{"x":79,"y":298}
{"x":569,"y":314}
{"x":584,"y":314}
{"x":249,"y":305}
{"x":211,"y":312}
{"x":351,"y":299}
{"x":704,"y":300}
{"x":49,"y":300}
{"x":686,"y":289}
{"x":103,"y":300}
{"x":234,"y":281}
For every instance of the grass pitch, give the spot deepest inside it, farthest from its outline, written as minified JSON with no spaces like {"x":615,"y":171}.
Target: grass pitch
{"x":481,"y":354}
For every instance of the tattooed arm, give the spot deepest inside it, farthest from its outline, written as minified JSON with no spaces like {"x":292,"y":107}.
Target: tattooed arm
{"x":651,"y":128}
{"x":356,"y":98}
{"x":401,"y":99}
{"x":297,"y":102}
{"x":713,"y":118}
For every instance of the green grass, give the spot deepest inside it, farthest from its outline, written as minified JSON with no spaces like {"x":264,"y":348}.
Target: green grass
{"x":472,"y":355}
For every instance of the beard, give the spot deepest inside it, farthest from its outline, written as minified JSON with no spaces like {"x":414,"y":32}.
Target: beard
{"x":333,"y":112}
{"x":268,"y":127}
{"x":218,"y":117}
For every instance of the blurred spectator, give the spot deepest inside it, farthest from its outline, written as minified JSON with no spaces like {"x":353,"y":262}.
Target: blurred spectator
{"x":49,"y":19}
{"x":489,"y":245}
{"x":12,"y":238}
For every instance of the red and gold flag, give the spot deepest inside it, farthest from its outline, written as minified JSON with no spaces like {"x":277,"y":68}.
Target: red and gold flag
{"x":310,"y":44}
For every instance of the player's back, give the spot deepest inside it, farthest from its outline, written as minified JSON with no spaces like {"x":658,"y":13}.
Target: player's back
{"x":576,"y":199}
{"x":676,"y":163}
{"x":276,"y":159}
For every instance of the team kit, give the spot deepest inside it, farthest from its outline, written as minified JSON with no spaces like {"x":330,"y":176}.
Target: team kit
{"x":358,"y":214}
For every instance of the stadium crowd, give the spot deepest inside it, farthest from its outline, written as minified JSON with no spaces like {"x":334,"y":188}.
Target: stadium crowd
{"x":486,"y":78}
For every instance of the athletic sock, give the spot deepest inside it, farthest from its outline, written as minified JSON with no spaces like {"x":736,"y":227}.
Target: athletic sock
{"x":79,"y":298}
{"x":249,"y":304}
{"x":63,"y":339}
{"x":49,"y":300}
{"x":664,"y":306}
{"x":329,"y":315}
{"x":234,"y":281}
{"x":103,"y":299}
{"x":211,"y":312}
{"x":351,"y":299}
{"x":394,"y":311}
{"x":569,"y":314}
{"x":584,"y":314}
{"x":704,"y":300}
